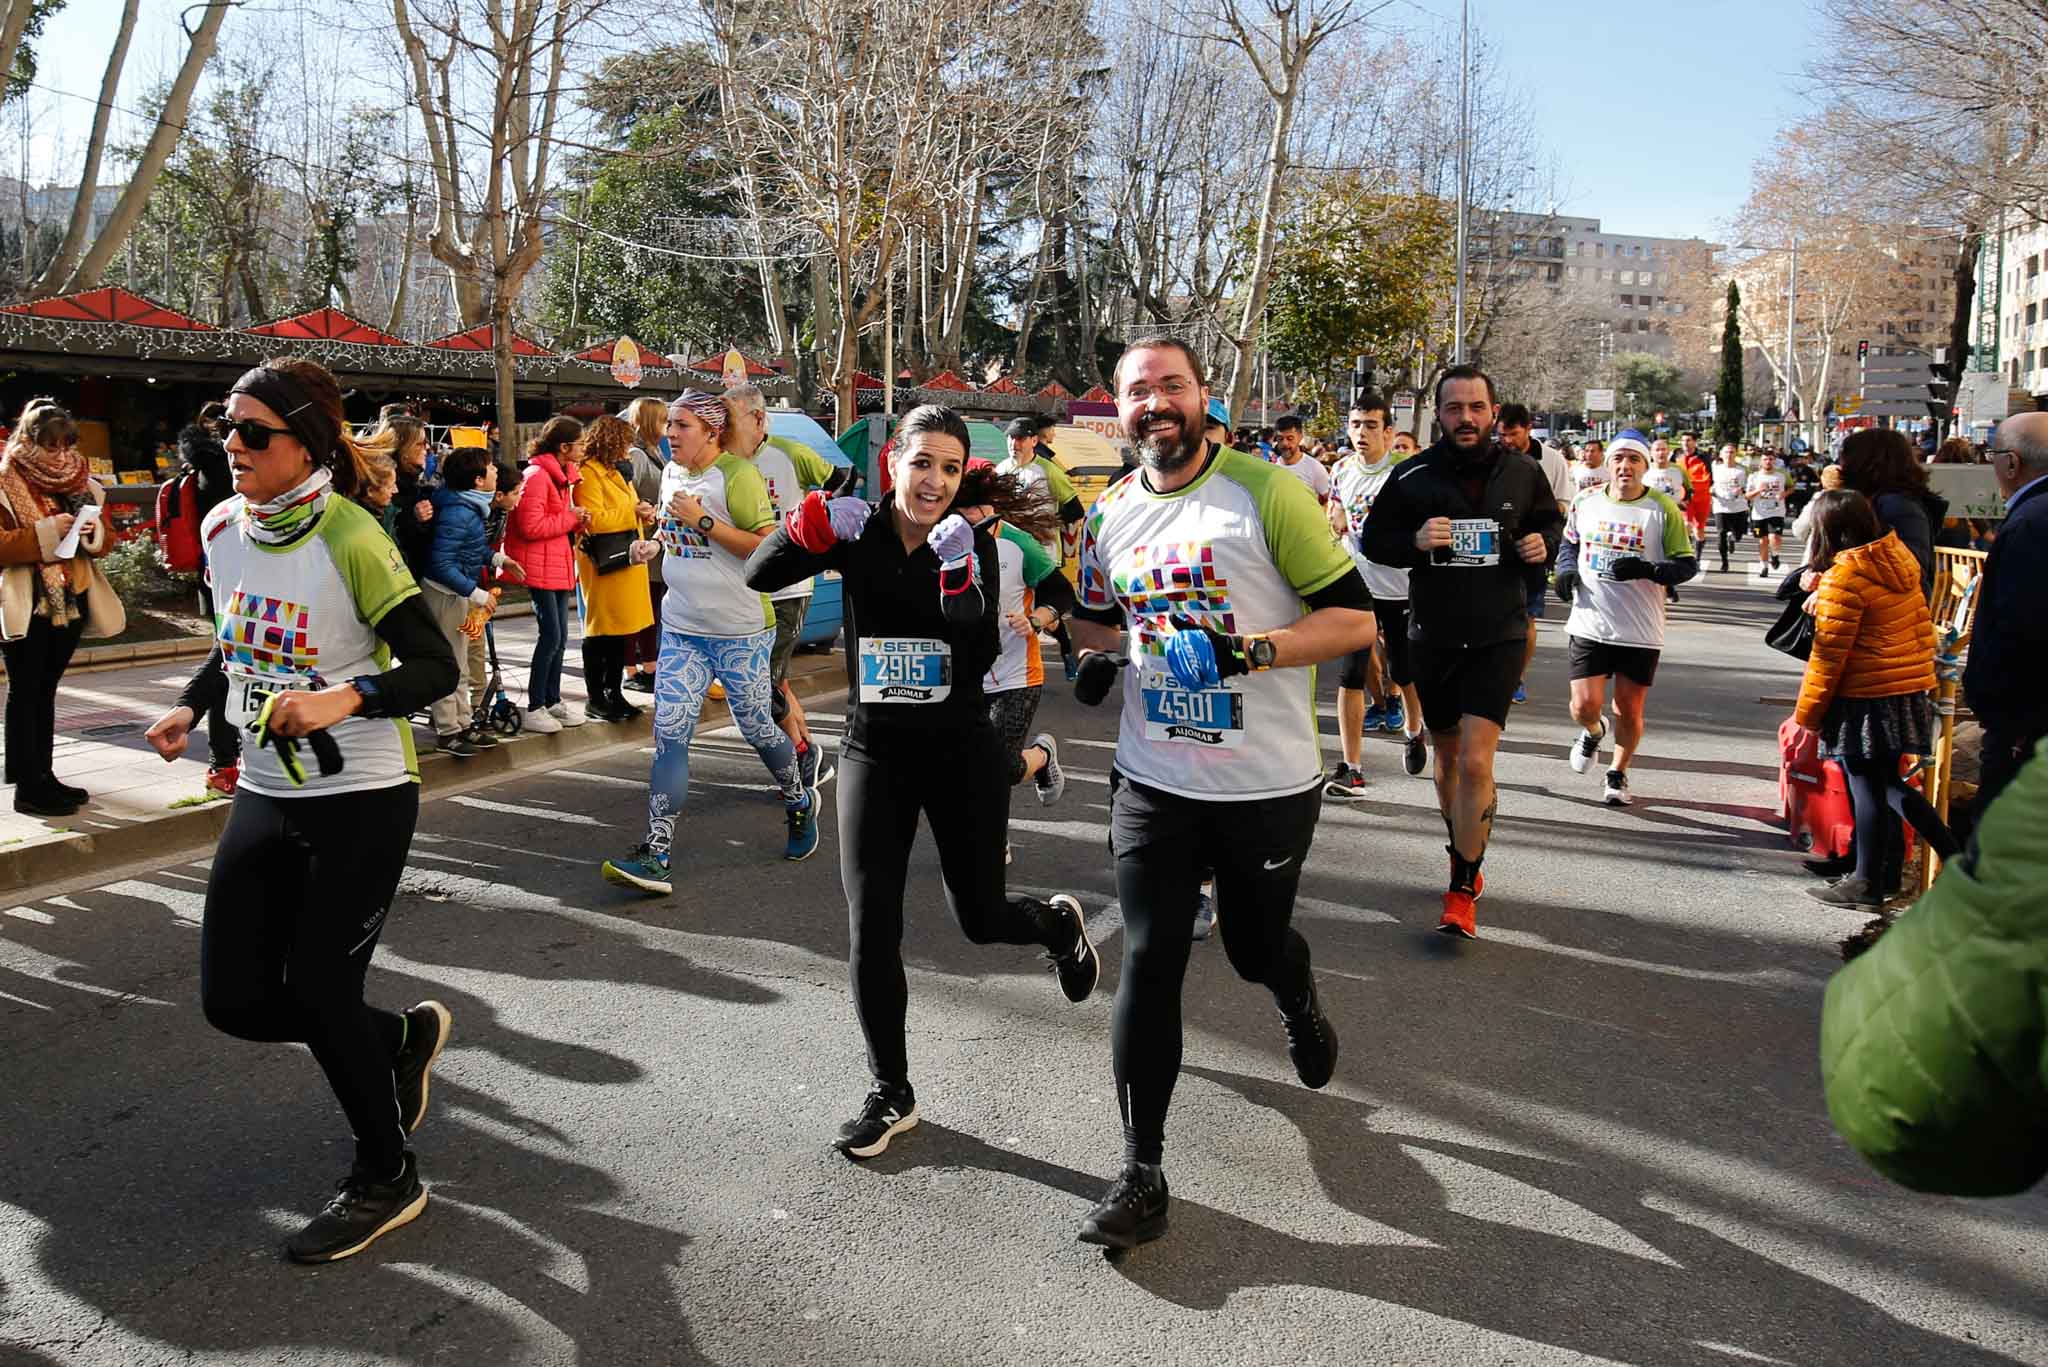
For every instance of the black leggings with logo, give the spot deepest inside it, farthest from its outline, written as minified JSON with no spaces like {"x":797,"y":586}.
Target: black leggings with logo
{"x":298,"y":895}
{"x":1162,"y":843}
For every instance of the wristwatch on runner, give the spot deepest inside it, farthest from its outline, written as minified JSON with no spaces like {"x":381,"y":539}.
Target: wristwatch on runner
{"x":706,"y":523}
{"x":366,"y":688}
{"x":1259,"y":652}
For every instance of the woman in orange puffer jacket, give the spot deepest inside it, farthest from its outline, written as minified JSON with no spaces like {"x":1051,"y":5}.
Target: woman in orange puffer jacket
{"x":1867,"y":681}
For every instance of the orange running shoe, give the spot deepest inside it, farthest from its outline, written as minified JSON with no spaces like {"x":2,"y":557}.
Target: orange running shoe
{"x":223,"y":779}
{"x":1459,"y":918}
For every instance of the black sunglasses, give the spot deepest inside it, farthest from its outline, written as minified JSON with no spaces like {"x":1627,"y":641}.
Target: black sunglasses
{"x":255,"y":436}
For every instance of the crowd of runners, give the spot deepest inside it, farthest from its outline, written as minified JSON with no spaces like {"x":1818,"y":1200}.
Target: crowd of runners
{"x":1207,"y":582}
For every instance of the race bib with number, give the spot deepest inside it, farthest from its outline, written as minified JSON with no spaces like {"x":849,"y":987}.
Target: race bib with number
{"x":1212,"y":716}
{"x":912,"y":669}
{"x":1474,"y":541}
{"x":247,"y":691}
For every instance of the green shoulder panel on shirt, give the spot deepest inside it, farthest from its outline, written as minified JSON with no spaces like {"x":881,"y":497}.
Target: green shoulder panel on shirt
{"x":1057,"y":479}
{"x":746,"y":494}
{"x":370,"y":564}
{"x":1677,"y":541}
{"x":1297,"y":529}
{"x":812,"y":469}
{"x":1037,"y":564}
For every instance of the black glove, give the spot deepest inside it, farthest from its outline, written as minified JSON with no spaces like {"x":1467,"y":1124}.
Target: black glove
{"x":1566,"y":583}
{"x":1624,"y":568}
{"x":1096,"y":676}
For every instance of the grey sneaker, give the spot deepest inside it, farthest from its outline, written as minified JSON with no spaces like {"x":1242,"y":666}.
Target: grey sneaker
{"x":1848,"y":891}
{"x":1051,"y":781}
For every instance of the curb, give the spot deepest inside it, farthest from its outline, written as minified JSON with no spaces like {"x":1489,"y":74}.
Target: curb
{"x":73,"y":854}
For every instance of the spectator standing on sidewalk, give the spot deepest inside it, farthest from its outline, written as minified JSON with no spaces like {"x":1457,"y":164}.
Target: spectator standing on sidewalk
{"x":616,"y":606}
{"x":406,"y":437}
{"x":537,"y":536}
{"x":1882,"y":465}
{"x":455,"y":584}
{"x":48,"y":600}
{"x":208,"y":460}
{"x":648,"y":417}
{"x":2009,"y":646}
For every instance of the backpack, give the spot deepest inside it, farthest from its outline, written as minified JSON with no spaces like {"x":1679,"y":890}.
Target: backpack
{"x":177,"y":523}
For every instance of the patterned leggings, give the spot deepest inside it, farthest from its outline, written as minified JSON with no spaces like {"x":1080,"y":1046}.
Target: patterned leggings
{"x":682,"y":677}
{"x":1012,"y":713}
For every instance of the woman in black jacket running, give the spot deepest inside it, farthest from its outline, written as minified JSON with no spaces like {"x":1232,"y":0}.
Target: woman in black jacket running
{"x":921,"y":620}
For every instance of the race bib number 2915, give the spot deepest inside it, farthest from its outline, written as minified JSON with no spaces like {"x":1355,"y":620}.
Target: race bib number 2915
{"x":908,"y":669}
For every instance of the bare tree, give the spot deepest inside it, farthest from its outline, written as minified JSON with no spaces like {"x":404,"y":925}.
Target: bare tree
{"x":486,"y":79}
{"x":59,"y":268}
{"x":163,"y":139}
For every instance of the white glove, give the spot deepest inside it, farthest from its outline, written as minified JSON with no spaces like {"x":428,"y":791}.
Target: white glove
{"x":645,"y":552}
{"x":481,"y":597}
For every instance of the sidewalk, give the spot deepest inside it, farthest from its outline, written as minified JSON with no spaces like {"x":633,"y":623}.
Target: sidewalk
{"x":141,"y":805}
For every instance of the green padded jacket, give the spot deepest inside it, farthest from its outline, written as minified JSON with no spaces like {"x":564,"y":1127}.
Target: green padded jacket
{"x":1932,"y":1043}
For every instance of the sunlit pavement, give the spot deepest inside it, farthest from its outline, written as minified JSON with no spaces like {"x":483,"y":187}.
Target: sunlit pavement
{"x":1595,"y":1134}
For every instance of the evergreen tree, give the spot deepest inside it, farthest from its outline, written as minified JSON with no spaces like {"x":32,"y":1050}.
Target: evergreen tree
{"x":1728,"y":422}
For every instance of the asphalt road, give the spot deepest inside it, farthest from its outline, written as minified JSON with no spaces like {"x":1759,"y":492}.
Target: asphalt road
{"x":1594,"y":1135}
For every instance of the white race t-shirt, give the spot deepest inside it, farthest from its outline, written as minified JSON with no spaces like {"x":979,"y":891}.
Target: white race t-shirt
{"x":1731,"y":488}
{"x":1238,"y":550}
{"x":707,"y":584}
{"x":1622,"y":612}
{"x":1022,"y":563}
{"x":1355,"y":485}
{"x":303,"y":616}
{"x":1669,"y":481}
{"x":1767,"y":493}
{"x":1310,"y":471}
{"x":1586,"y":477}
{"x":789,"y":469}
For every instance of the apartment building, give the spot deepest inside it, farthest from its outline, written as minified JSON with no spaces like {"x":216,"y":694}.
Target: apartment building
{"x":2020,"y":297}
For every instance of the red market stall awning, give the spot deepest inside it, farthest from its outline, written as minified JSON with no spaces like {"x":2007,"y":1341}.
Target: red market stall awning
{"x":1098,"y":395}
{"x":1005,"y":385}
{"x":110,"y":305}
{"x":715,"y":364}
{"x":329,"y":324}
{"x":1055,"y":390}
{"x":946,"y":379}
{"x":481,"y":338}
{"x":863,"y":380}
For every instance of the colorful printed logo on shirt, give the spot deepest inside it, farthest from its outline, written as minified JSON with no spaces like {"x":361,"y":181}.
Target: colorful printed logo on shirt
{"x":266,"y":635}
{"x":687,"y":542}
{"x":1168,"y":579}
{"x":1612,"y":540}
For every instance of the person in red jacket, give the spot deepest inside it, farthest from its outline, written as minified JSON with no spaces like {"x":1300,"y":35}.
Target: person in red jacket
{"x":1699,"y":505}
{"x":537,"y":536}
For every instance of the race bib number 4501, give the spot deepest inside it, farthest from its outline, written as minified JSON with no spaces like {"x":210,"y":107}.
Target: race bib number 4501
{"x":1213,"y":716}
{"x":910,"y":669}
{"x":1474,"y":541}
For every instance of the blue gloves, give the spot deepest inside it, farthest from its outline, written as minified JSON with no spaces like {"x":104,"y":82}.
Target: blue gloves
{"x":952,"y":540}
{"x":1201,"y":657}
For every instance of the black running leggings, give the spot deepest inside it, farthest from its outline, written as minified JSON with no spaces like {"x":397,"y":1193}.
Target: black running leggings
{"x":1011,"y":713}
{"x":604,"y":667}
{"x":1878,"y":797}
{"x":298,"y":895}
{"x":958,"y":779}
{"x":1162,"y":844}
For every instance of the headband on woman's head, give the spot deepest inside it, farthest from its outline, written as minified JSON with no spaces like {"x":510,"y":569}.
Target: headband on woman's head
{"x":705,"y":406}
{"x":307,"y":420}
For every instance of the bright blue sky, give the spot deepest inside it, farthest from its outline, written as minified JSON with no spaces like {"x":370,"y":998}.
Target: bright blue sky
{"x":1655,"y":109}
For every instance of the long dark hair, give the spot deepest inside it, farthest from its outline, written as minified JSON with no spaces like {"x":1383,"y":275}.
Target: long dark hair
{"x":554,"y":434}
{"x":1842,"y":520}
{"x":1878,"y":460}
{"x":1013,"y":503}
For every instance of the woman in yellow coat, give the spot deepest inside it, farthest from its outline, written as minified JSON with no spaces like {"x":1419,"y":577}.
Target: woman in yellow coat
{"x":616,"y":607}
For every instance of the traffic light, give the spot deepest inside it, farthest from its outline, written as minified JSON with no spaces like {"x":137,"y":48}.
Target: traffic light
{"x":1862,"y":352}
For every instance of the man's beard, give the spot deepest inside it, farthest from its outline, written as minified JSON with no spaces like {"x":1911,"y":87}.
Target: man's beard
{"x":1168,"y":453}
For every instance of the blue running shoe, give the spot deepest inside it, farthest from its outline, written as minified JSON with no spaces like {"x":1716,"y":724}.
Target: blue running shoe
{"x":803,"y":828}
{"x":1396,"y":717}
{"x":1521,"y":694}
{"x":642,"y":869}
{"x":1375,"y":717}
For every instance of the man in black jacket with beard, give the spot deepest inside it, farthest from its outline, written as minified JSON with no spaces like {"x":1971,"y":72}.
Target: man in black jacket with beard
{"x":1475,"y":526}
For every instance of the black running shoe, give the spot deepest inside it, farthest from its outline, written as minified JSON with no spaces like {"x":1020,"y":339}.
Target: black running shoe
{"x":884,"y":1115}
{"x":361,"y":1211}
{"x":1078,"y":966}
{"x":638,"y":683}
{"x":426,"y":1032}
{"x":1415,"y":754}
{"x":1134,"y":1211}
{"x":1311,"y":1041}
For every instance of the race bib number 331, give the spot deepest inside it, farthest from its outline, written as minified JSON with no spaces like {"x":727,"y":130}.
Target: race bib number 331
{"x":908,"y":669}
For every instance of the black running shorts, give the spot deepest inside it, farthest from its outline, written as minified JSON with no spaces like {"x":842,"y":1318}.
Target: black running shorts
{"x":1601,"y":659}
{"x":1735,"y":524}
{"x":1354,"y":669}
{"x":1768,"y":526}
{"x":1392,"y":614}
{"x":1466,"y":681}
